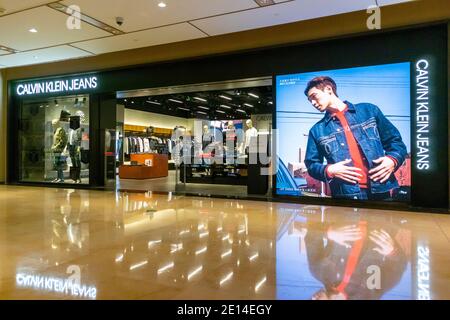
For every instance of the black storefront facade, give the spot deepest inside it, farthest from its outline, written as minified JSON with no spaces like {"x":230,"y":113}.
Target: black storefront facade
{"x":424,"y":45}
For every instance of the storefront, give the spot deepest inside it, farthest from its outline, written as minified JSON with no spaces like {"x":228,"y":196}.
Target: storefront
{"x":76,"y":130}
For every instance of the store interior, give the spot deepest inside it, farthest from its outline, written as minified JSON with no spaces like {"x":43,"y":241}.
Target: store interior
{"x":195,"y":139}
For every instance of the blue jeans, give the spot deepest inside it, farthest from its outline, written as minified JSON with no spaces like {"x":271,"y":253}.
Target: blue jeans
{"x":365,"y":194}
{"x":59,"y":163}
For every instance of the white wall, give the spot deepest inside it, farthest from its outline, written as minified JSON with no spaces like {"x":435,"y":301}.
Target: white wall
{"x":142,"y":118}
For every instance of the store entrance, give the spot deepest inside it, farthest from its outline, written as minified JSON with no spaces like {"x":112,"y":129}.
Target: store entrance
{"x":197,"y":139}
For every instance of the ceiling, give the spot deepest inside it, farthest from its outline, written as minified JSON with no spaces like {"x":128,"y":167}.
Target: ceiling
{"x":217,"y":104}
{"x":144,"y":23}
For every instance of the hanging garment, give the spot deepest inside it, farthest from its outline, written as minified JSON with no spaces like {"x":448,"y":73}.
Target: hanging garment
{"x":125,"y":146}
{"x":169,"y":145}
{"x":141,"y":145}
{"x":146,"y":145}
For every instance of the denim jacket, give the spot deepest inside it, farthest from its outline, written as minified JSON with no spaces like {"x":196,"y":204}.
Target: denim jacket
{"x":376,"y":136}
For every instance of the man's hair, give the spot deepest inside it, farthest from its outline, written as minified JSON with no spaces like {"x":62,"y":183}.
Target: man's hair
{"x":320,"y":83}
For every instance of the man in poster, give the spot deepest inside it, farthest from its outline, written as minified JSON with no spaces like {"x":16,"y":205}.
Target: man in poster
{"x":362,"y":147}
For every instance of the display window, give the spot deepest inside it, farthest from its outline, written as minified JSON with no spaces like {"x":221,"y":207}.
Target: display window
{"x":54,"y":140}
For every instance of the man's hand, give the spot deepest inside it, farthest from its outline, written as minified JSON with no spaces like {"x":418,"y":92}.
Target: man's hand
{"x":342,"y":171}
{"x":383,"y":170}
{"x":384,"y":242}
{"x":344,"y":235}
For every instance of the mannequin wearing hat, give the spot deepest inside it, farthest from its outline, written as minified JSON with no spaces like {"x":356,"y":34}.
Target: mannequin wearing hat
{"x":58,"y":146}
{"x":74,"y":146}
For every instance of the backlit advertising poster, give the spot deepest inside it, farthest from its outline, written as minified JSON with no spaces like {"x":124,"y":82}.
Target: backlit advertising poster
{"x":346,"y":133}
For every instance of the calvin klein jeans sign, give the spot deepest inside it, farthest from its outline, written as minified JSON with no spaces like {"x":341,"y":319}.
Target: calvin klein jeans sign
{"x":53,"y":86}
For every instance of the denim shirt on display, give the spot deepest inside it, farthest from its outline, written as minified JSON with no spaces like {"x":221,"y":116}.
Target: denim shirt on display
{"x":375,"y":135}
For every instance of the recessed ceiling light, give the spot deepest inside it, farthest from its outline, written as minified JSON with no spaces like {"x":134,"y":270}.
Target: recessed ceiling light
{"x":183,"y":109}
{"x":154,"y":102}
{"x":225,"y":97}
{"x":249,"y":105}
{"x":162,"y":5}
{"x":177,"y":101}
{"x":220,"y":111}
{"x":202,"y":107}
{"x":225,"y":106}
{"x":253,"y":95}
{"x":201,"y":112}
{"x":200,"y":99}
{"x":239,"y":110}
{"x":33,"y":30}
{"x":270,"y":102}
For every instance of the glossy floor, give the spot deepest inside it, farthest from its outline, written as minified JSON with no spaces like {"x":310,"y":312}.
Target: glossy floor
{"x":77,"y":244}
{"x":169,"y":184}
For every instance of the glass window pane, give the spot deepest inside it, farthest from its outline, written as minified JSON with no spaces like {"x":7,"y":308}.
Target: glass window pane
{"x":54,"y":140}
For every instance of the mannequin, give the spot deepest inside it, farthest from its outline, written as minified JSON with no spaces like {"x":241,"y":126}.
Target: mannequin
{"x":207,"y":148}
{"x":207,"y":137}
{"x":230,"y":140}
{"x":75,"y":148}
{"x":59,"y":144}
{"x":250,"y":134}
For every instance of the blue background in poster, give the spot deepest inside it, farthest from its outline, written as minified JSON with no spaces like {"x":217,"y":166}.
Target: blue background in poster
{"x":387,"y":86}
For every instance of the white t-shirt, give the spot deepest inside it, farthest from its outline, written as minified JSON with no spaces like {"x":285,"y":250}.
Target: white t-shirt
{"x":250,"y":133}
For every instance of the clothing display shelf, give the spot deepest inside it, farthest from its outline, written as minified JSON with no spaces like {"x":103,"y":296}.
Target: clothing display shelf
{"x":157,"y":141}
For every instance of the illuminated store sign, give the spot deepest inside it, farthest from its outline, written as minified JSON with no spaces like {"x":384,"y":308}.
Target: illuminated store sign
{"x":422,"y":115}
{"x":57,"y":86}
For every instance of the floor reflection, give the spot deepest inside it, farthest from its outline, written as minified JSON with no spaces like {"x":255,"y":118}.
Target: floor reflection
{"x":78,"y":244}
{"x":327,"y":254}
